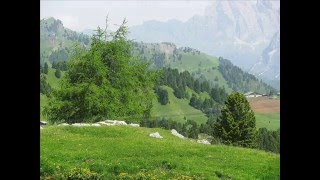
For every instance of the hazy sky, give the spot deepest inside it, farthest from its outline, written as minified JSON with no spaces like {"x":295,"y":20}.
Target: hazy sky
{"x":80,"y":15}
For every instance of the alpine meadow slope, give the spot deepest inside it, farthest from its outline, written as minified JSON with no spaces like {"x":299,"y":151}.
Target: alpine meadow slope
{"x":128,"y":152}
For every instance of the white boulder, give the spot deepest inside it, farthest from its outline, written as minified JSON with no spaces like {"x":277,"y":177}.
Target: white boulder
{"x":104,"y":123}
{"x":175,"y":133}
{"x":134,"y":125}
{"x":112,"y":123}
{"x":155,"y":135}
{"x":95,"y":124}
{"x":63,"y":124}
{"x":80,"y":124}
{"x":116,"y":122}
{"x":203,"y":141}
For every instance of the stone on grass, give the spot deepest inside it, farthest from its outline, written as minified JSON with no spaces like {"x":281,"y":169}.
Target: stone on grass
{"x":155,"y":135}
{"x":116,"y":122}
{"x":203,"y":141}
{"x":95,"y":124}
{"x":112,"y":123}
{"x":80,"y":124}
{"x":63,"y":124}
{"x":134,"y":125}
{"x":105,"y":124}
{"x":175,"y":133}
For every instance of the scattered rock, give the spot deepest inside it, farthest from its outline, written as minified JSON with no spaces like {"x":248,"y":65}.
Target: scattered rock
{"x":203,"y":141}
{"x":105,"y":124}
{"x":134,"y":125}
{"x":42,"y":123}
{"x":175,"y":133}
{"x":112,"y":123}
{"x":116,"y":122}
{"x":80,"y":124}
{"x":63,"y":124}
{"x":156,"y":135}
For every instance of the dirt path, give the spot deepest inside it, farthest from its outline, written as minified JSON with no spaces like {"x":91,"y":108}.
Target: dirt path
{"x":264,"y":105}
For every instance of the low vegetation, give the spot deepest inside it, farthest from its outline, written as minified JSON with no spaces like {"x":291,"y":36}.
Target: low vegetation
{"x":116,"y":152}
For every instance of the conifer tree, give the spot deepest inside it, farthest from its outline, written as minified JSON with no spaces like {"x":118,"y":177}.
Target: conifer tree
{"x":237,"y":124}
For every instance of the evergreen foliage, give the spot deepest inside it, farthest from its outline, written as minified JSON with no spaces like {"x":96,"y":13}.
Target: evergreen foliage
{"x":237,"y":123}
{"x":106,"y":81}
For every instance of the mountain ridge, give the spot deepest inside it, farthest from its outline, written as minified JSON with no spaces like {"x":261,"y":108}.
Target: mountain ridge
{"x":239,"y":31}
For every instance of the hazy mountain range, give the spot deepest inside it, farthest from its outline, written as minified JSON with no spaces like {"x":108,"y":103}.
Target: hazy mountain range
{"x":246,"y":32}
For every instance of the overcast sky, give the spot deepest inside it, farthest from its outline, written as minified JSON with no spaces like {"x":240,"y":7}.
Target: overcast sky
{"x":80,"y":15}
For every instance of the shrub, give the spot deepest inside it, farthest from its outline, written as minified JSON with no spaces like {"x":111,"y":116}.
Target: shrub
{"x":167,"y":165}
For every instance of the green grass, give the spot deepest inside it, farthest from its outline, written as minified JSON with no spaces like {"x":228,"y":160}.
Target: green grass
{"x":177,"y":109}
{"x":269,"y":121}
{"x":54,"y":82}
{"x":52,"y":79}
{"x":202,"y":95}
{"x":43,"y":102}
{"x":111,"y":150}
{"x":201,"y":64}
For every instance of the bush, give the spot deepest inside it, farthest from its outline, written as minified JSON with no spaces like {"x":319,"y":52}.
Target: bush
{"x":82,"y":174}
{"x":167,"y":165}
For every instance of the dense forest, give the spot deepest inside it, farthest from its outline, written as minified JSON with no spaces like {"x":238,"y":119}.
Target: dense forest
{"x":239,"y":80}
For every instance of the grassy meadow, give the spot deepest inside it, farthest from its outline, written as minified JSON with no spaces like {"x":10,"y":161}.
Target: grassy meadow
{"x":123,"y":151}
{"x":269,"y":121}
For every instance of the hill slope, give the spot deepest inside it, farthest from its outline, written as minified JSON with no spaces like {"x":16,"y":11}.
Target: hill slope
{"x":237,"y":30}
{"x":53,"y":82}
{"x":56,"y":42}
{"x":129,"y":150}
{"x":54,"y":37}
{"x":177,"y":109}
{"x":218,"y":71}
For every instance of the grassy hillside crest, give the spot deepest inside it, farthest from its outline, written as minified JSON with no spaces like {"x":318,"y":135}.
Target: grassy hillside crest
{"x":128,"y":151}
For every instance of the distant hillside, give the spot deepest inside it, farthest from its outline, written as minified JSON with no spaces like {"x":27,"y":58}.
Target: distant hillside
{"x":268,"y":66}
{"x":218,"y":71}
{"x":56,"y":40}
{"x":237,"y":30}
{"x":178,"y":109}
{"x":56,"y":43}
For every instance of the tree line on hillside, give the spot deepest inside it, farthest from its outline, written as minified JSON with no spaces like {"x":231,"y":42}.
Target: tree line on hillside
{"x":59,"y":55}
{"x":158,"y":58}
{"x":60,"y":65}
{"x":180,"y":81}
{"x":45,"y":87}
{"x":239,"y":80}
